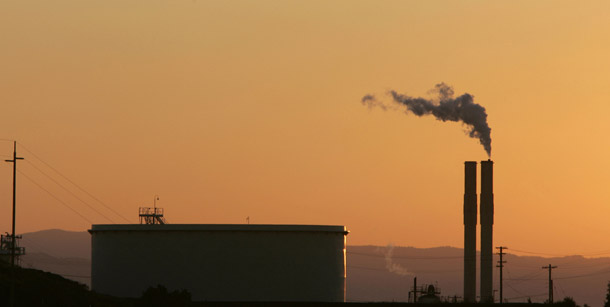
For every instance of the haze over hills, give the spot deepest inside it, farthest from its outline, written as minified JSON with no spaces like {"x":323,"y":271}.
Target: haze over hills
{"x":59,"y":243}
{"x":378,"y":273}
{"x":369,"y":277}
{"x":67,"y":253}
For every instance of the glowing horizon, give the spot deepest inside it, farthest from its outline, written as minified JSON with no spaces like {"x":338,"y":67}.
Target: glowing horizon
{"x":228,"y":110}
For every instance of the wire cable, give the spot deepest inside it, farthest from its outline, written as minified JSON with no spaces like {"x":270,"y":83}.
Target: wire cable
{"x":560,"y":288}
{"x":365,"y":268}
{"x":530,"y":276}
{"x":386,"y":270}
{"x":584,"y":275}
{"x":405,"y":257}
{"x":536,"y":253}
{"x":56,"y":198}
{"x":598,"y":253}
{"x":510,"y":286}
{"x":73,"y":183}
{"x":70,"y":192}
{"x":527,"y":296}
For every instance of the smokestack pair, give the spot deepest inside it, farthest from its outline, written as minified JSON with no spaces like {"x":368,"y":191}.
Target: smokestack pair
{"x":470,"y":231}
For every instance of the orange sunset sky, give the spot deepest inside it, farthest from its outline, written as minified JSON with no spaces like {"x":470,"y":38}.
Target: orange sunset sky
{"x":230,"y":109}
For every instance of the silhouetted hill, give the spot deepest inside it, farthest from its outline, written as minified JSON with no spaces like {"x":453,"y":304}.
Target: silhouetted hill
{"x":67,"y":253}
{"x":379,"y":273}
{"x":77,"y":269}
{"x":37,"y":288}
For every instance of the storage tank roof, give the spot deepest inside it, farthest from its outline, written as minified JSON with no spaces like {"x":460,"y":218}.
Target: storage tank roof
{"x":219,"y":227}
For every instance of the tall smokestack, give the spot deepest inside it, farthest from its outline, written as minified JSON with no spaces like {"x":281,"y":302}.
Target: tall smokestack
{"x":470,"y":231}
{"x":487,"y":222}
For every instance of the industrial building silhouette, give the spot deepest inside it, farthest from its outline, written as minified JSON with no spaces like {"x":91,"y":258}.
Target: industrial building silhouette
{"x":214,"y":262}
{"x":265,"y":263}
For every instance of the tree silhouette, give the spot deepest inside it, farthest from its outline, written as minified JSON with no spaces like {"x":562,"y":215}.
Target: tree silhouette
{"x":607,"y":303}
{"x":159,"y":296}
{"x":569,"y":302}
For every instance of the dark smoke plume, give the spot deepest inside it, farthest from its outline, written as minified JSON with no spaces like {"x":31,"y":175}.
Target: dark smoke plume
{"x":459,"y":109}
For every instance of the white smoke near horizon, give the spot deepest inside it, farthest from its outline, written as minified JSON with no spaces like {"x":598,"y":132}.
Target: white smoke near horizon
{"x":389,"y":262}
{"x":445,"y":108}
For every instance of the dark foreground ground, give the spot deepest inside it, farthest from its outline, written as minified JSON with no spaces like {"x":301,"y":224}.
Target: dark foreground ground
{"x":39,"y":288}
{"x":277,"y":304}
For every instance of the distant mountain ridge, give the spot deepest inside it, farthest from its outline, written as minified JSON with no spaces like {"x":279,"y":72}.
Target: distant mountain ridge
{"x":369,"y":277}
{"x":59,"y":243}
{"x":378,"y":273}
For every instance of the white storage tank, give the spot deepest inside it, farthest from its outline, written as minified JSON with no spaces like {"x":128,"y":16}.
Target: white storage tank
{"x":221,"y":262}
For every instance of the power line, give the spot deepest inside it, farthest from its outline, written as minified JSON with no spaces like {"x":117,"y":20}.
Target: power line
{"x":528,"y":277}
{"x":73,"y":183}
{"x":519,"y":292}
{"x":604,"y":252}
{"x":537,"y":253}
{"x":512,"y":286}
{"x":365,"y":268}
{"x":523,"y":295}
{"x":605,"y":265}
{"x":531,"y":276}
{"x":564,"y":277}
{"x":562,"y":291}
{"x":71,"y":193}
{"x":385,"y":270}
{"x":524,"y":266}
{"x":56,"y":198}
{"x":563,"y":266}
{"x":526,"y":296}
{"x":405,"y":257}
{"x":585,"y":275}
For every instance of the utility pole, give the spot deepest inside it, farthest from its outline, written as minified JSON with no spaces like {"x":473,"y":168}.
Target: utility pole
{"x":501,"y":265}
{"x":550,"y":268}
{"x":14,"y":161}
{"x":415,"y":289}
